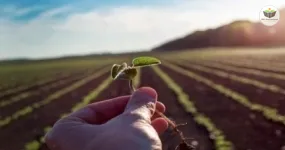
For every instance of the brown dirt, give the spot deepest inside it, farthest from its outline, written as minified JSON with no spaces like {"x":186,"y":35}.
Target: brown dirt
{"x":36,"y":78}
{"x":245,"y":128}
{"x":268,"y":80}
{"x":254,"y":94}
{"x":248,"y":130}
{"x":35,"y":87}
{"x":2,"y":89}
{"x":255,"y":62}
{"x":10,"y":109}
{"x":175,"y":112}
{"x":31,"y":126}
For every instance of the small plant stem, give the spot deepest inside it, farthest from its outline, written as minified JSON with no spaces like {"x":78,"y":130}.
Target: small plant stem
{"x":131,"y":86}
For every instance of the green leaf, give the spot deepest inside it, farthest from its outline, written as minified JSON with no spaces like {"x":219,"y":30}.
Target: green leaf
{"x":127,"y":74}
{"x":131,"y":73}
{"x":122,"y":66}
{"x":117,"y":70}
{"x":145,"y":61}
{"x":121,"y":69}
{"x":114,"y":70}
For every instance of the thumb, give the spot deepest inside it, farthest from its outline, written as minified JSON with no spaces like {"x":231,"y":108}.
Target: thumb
{"x":142,"y":104}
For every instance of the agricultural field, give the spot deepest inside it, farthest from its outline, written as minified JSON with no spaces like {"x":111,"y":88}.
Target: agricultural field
{"x":230,"y":99}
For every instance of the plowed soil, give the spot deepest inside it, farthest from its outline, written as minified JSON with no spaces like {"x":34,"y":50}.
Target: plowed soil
{"x":175,"y":112}
{"x":31,"y":126}
{"x":245,"y":128}
{"x":253,"y":93}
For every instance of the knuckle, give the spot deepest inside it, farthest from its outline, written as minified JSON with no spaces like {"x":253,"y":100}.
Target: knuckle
{"x":150,"y":107}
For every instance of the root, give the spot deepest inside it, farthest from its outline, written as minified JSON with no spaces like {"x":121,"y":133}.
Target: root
{"x":183,"y":145}
{"x":131,"y":86}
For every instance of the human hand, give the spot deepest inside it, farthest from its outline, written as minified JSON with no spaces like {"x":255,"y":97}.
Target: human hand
{"x":126,"y":123}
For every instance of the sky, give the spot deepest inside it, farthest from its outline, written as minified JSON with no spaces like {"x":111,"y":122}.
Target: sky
{"x":53,"y":28}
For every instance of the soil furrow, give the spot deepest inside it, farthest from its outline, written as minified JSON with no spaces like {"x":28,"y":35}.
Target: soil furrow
{"x":36,"y":85}
{"x":252,"y":65}
{"x":30,"y":127}
{"x":256,"y":95}
{"x":245,"y":128}
{"x":268,"y":80}
{"x":10,"y":109}
{"x":176,"y":113}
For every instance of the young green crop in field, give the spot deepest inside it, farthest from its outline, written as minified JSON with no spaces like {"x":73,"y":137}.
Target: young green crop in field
{"x":221,"y":143}
{"x":28,"y":109}
{"x":268,"y":112}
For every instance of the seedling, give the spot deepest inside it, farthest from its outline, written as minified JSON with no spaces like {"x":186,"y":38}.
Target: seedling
{"x":125,"y":72}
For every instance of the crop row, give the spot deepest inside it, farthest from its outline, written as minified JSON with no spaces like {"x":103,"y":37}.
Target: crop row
{"x":67,"y":77}
{"x":241,"y":79}
{"x":276,"y":60}
{"x":12,"y":80}
{"x":268,"y":112}
{"x":244,"y":70}
{"x":21,"y":74}
{"x":273,"y":61}
{"x":28,"y":94}
{"x":29,"y":109}
{"x":259,"y":60}
{"x":221,"y":143}
{"x":36,"y":144}
{"x":249,"y":64}
{"x":32,"y":84}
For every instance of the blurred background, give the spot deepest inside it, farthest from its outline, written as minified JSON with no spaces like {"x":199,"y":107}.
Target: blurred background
{"x":49,"y":28}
